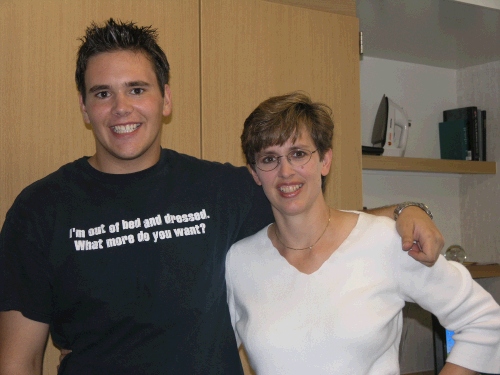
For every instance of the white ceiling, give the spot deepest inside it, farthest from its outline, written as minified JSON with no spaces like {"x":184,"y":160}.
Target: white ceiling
{"x":440,"y":33}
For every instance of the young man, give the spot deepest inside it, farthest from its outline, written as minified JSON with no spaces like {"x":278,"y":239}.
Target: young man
{"x":121,"y":255}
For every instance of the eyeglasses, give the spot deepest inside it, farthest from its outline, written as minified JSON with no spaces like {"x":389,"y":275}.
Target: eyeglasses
{"x":296,"y":158}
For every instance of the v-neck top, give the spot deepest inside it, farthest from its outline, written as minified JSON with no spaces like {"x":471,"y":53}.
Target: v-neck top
{"x":346,"y":317}
{"x":273,"y":252}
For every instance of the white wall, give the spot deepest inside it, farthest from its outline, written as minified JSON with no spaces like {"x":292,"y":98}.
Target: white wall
{"x":466,"y":207}
{"x":480,"y":195}
{"x":424,"y":92}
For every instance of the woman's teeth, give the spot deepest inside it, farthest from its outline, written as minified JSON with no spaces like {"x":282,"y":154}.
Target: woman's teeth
{"x":290,"y":188}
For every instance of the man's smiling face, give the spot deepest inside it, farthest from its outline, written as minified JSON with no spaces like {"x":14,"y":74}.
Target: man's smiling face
{"x":125,"y":108}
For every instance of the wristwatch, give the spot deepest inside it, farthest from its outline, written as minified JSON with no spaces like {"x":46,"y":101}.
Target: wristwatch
{"x":400,"y":207}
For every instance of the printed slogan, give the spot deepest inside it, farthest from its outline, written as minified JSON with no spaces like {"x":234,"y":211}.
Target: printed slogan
{"x":152,"y":229}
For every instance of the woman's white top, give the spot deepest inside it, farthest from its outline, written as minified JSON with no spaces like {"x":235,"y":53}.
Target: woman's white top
{"x":346,"y":318}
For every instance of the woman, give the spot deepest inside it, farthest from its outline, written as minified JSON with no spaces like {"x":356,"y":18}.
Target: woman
{"x":321,"y":291}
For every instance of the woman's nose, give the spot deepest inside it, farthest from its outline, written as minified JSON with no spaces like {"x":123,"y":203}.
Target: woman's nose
{"x":285,"y":166}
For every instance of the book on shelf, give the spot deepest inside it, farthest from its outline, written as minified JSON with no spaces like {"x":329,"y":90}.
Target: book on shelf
{"x":480,"y":133}
{"x":470,"y":115}
{"x":454,"y":140}
{"x":483,"y":122}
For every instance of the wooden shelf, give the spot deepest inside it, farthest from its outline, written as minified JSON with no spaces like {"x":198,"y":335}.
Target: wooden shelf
{"x":387,"y":163}
{"x":479,"y":271}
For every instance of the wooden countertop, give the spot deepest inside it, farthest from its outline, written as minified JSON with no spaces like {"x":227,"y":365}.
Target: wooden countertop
{"x":479,"y":271}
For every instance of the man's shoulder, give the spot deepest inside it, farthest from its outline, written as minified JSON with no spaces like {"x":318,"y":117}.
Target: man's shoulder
{"x":53,"y":182}
{"x":41,"y":196}
{"x":176,"y":157}
{"x":64,"y":171}
{"x":204,"y":168}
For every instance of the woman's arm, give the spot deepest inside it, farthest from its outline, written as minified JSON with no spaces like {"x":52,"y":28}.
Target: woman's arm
{"x":452,"y":369}
{"x":461,"y":305}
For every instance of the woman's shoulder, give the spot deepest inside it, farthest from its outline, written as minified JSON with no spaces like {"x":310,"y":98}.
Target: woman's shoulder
{"x":248,"y":253}
{"x":369,"y":222}
{"x":371,"y":235}
{"x":250,"y":245}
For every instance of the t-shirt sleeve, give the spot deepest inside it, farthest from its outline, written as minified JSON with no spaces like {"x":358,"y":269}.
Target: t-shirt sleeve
{"x":259,"y":213}
{"x":25,"y":283}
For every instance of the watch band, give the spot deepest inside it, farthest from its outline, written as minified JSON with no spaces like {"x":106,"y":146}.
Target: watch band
{"x":400,"y":207}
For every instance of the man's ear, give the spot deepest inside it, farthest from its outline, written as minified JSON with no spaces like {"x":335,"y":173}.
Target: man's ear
{"x":167,"y":101}
{"x":83,"y":109}
{"x":327,"y":162}
{"x":254,"y":175}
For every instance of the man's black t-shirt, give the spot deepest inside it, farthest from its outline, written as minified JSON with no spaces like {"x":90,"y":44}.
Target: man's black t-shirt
{"x":128,"y":270}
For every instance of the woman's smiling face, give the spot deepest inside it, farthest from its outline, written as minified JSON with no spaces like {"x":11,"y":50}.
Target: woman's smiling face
{"x":293,"y":189}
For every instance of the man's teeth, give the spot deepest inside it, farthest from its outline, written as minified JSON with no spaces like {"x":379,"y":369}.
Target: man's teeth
{"x":123,"y":129}
{"x":290,"y":189}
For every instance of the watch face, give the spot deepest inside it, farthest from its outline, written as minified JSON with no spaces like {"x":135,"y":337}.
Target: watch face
{"x":456,"y":253}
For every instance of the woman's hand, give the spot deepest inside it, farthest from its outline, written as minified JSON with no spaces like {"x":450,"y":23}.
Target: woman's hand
{"x":452,"y":369}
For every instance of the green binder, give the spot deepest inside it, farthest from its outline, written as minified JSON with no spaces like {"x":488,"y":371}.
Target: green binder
{"x":453,"y":140}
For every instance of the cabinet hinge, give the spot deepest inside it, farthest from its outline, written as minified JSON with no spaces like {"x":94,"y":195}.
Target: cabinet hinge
{"x":361,"y":43}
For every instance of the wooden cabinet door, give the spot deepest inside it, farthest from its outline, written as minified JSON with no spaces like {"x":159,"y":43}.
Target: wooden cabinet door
{"x":253,"y":49}
{"x":42,"y":127}
{"x":41,"y":123}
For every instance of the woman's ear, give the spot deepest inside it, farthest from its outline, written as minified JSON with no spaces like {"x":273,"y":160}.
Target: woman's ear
{"x":254,"y":175}
{"x":327,"y":162}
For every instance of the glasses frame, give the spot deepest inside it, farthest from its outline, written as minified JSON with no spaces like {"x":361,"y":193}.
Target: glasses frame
{"x":288,"y":158}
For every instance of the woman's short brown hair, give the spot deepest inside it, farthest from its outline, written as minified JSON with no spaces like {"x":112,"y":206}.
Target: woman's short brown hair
{"x":280,"y":118}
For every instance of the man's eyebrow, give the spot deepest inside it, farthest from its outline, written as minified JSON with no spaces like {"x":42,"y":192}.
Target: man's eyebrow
{"x":127,"y":84}
{"x":98,"y":88}
{"x":137,"y":83}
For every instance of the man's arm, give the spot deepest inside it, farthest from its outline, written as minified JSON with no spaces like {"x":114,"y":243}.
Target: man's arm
{"x":22,"y":343}
{"x":419,"y":235}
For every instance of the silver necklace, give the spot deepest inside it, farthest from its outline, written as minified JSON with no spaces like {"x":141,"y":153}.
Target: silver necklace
{"x":308,"y":247}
